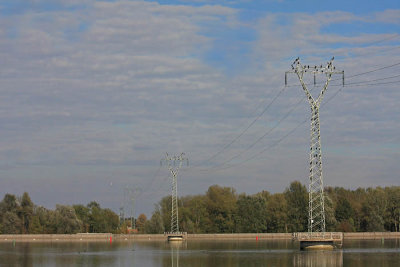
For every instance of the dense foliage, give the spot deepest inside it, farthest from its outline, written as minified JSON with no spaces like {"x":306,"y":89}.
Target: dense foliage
{"x":18,"y":215}
{"x":219,"y":210}
{"x":222,"y":210}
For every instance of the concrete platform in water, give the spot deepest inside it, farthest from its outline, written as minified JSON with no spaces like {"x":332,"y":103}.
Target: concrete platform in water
{"x":178,"y":236}
{"x":316,"y":245}
{"x":175,"y":238}
{"x":319,"y":241}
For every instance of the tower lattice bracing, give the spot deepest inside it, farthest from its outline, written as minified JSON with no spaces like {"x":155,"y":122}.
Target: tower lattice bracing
{"x":316,"y":208}
{"x":129,"y":200}
{"x":174,"y":163}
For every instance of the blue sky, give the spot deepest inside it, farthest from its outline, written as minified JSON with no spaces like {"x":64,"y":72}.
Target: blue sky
{"x":93,"y":93}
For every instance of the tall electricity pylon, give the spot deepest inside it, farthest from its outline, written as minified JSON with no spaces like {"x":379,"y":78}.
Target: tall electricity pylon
{"x":316,"y":209}
{"x":174,"y":163}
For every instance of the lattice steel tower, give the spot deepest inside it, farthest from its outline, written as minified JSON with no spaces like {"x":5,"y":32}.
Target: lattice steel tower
{"x":174,"y":163}
{"x":129,"y":200}
{"x":316,"y":209}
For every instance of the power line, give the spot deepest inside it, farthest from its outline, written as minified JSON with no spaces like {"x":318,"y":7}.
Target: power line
{"x":372,"y":84}
{"x":264,"y":99}
{"x":150,"y":184}
{"x":245,"y":130}
{"x":287,"y":114}
{"x":379,"y":79}
{"x":286,"y":135}
{"x":384,"y":39}
{"x":279,"y":93}
{"x":215,"y":168}
{"x":363,"y":73}
{"x":153,"y":179}
{"x":262,"y":137}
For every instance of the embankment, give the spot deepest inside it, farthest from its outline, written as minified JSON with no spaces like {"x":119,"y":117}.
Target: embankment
{"x":105,"y":237}
{"x":371,"y":235}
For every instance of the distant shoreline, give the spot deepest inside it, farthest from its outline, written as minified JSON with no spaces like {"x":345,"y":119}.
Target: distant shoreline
{"x":105,"y":237}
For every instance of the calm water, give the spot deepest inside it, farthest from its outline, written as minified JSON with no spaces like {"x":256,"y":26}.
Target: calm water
{"x":198,"y":253}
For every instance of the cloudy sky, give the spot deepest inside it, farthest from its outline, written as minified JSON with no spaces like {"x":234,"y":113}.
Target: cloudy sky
{"x":94,"y":93}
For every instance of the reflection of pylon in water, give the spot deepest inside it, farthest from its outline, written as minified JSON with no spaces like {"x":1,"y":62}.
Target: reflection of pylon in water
{"x":175,"y":246}
{"x":319,"y":258}
{"x":175,"y":257}
{"x":316,"y":209}
{"x":174,"y":164}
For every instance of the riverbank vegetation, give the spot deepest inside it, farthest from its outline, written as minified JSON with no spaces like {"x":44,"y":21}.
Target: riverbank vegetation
{"x":219,"y":210}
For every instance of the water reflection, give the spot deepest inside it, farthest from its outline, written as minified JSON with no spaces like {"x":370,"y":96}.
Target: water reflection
{"x":210,"y":253}
{"x":318,"y":258}
{"x":175,"y":246}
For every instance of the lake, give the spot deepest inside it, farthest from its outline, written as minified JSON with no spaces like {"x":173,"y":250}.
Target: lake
{"x":197,"y":253}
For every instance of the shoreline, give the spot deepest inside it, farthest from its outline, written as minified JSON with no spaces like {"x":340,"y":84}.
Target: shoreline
{"x":108,"y":237}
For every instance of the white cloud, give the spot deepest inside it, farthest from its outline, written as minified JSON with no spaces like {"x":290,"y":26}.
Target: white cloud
{"x":391,"y":16}
{"x":120,"y":83}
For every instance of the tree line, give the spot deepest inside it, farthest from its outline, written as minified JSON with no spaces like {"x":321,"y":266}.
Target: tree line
{"x":219,"y":210}
{"x":222,"y":210}
{"x":19,"y":215}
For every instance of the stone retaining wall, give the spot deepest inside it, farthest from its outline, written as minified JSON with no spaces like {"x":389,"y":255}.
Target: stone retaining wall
{"x":105,"y":237}
{"x":56,"y":237}
{"x":371,"y":235}
{"x":241,"y":236}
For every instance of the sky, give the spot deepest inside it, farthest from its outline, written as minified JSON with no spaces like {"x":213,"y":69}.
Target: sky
{"x":94,"y":93}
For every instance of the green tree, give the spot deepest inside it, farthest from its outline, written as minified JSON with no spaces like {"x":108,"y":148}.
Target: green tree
{"x":297,"y":202}
{"x":374,"y":210}
{"x":9,"y":220}
{"x":155,"y":225}
{"x":99,"y":220}
{"x":165,"y":208}
{"x":66,"y":221}
{"x":185,"y":217}
{"x":97,"y":223}
{"x":46,"y":220}
{"x":357,"y":200}
{"x":330,"y":220}
{"x":111,"y":221}
{"x":26,"y":212}
{"x":82,"y":213}
{"x":221,"y":206}
{"x":9,"y":203}
{"x":344,"y":210}
{"x":251,"y":214}
{"x":34,"y":226}
{"x":277,"y":214}
{"x":193,"y":212}
{"x":11,"y":223}
{"x":141,"y":222}
{"x":264,"y":194}
{"x":393,"y":208}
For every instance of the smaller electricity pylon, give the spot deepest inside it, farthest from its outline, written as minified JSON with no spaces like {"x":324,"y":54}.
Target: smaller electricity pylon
{"x":174,"y":163}
{"x":316,"y":209}
{"x":129,"y":200}
{"x":121,"y":214}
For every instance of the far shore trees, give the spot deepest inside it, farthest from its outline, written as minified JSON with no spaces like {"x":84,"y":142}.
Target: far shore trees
{"x":219,"y":210}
